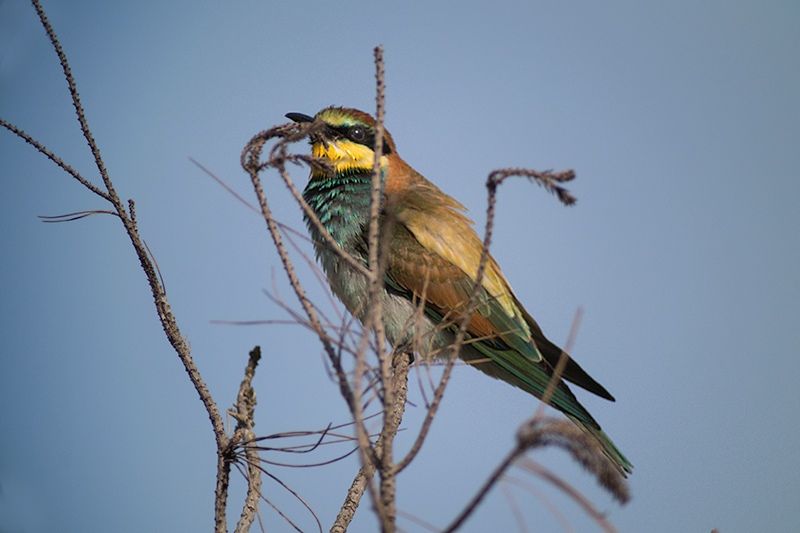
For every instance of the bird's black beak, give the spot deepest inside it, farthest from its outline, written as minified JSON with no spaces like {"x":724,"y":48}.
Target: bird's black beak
{"x":299,"y":117}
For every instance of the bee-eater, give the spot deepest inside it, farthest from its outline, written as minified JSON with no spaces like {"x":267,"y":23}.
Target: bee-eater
{"x":432,"y":260}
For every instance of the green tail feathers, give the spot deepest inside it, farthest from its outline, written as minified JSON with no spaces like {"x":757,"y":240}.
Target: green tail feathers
{"x":533,"y":377}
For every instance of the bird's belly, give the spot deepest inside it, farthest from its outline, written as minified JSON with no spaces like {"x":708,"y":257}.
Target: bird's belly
{"x":404,"y":322}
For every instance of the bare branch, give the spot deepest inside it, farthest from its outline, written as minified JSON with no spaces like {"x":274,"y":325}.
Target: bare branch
{"x":378,"y":250}
{"x":165,"y":315}
{"x":546,"y":179}
{"x":536,"y":468}
{"x":245,"y":409}
{"x":401,"y":365}
{"x":483,"y":491}
{"x":515,"y":510}
{"x":548,"y":503}
{"x":76,"y":102}
{"x":225,"y":186}
{"x":52,"y":157}
{"x":250,"y":160}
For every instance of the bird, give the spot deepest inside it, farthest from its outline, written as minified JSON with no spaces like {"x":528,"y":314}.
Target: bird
{"x":431,"y":264}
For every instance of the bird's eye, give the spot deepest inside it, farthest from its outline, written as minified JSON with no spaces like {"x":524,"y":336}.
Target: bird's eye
{"x":357,"y":134}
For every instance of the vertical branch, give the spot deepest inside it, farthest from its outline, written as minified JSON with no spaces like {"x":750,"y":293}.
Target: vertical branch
{"x":245,"y":413}
{"x":393,"y":370}
{"x":400,"y":367}
{"x":377,"y":262}
{"x":374,"y":316}
{"x":376,"y":258}
{"x":221,"y":492}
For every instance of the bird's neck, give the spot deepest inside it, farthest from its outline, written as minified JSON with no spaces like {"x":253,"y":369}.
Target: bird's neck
{"x":341,"y":202}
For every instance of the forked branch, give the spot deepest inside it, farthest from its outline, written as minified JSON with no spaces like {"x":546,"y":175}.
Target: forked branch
{"x":168,"y":322}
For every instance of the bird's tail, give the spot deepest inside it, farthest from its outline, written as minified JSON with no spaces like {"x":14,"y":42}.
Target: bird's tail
{"x":534,"y":377}
{"x":609,"y":449}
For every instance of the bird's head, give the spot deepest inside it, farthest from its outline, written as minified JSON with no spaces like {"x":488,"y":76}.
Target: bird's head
{"x":347,"y":139}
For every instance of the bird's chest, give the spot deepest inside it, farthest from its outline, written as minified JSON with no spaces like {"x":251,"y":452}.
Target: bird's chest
{"x":342,"y":207}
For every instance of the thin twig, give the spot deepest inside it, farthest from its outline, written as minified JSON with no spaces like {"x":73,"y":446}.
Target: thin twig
{"x":546,"y":501}
{"x":76,"y":102}
{"x":52,"y":157}
{"x":483,"y":491}
{"x":515,"y":510}
{"x":537,"y":469}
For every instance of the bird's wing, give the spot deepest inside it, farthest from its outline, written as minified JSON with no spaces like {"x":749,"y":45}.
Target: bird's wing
{"x":435,"y":255}
{"x":437,"y":222}
{"x":434,"y":259}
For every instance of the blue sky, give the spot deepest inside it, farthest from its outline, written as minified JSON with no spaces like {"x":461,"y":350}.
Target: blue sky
{"x":681,"y":119}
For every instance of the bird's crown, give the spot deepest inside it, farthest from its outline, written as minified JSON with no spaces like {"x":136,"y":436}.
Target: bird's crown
{"x":347,"y":139}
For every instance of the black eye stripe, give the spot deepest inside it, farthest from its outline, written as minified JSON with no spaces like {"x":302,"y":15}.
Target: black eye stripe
{"x":365,"y":136}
